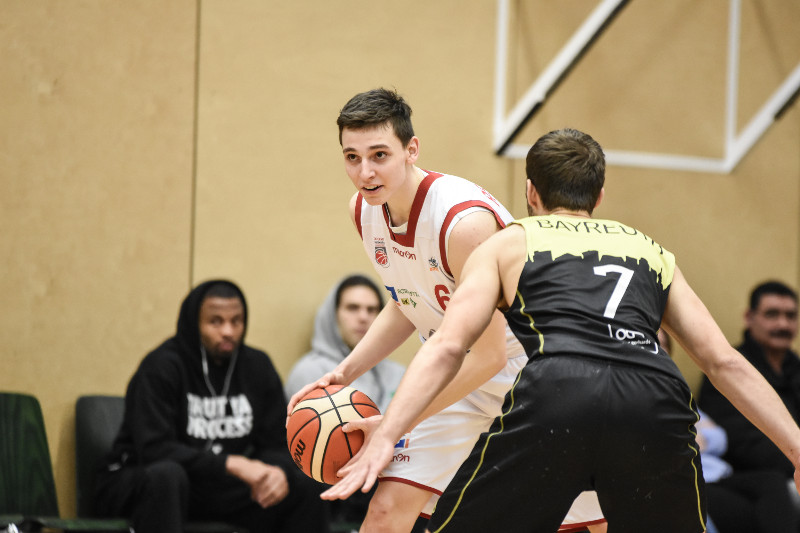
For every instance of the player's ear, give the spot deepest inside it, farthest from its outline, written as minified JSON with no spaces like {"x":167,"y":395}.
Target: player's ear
{"x":412,"y":150}
{"x":600,"y":197}
{"x":532,"y":196}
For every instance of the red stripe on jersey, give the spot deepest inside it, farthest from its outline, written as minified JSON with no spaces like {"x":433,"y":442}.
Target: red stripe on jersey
{"x":416,"y":207}
{"x":456,"y":209}
{"x":359,"y":199}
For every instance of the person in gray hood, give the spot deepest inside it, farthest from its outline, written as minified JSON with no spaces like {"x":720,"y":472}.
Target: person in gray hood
{"x":342,"y":320}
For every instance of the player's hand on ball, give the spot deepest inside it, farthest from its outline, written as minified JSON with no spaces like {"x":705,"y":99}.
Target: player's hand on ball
{"x":362,"y":471}
{"x":331,"y":378}
{"x":315,"y":432}
{"x":367,"y":426}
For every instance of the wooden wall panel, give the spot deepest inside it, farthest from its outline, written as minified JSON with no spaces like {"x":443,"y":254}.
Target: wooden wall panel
{"x":95,"y":191}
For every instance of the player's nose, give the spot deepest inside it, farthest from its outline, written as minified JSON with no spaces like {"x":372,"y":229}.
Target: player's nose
{"x":365,"y":170}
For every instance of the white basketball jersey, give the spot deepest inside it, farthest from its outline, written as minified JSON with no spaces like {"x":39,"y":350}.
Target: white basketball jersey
{"x":413,"y":266}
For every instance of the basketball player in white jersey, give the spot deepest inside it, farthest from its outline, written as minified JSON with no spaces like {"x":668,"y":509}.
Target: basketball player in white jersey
{"x":418,"y":228}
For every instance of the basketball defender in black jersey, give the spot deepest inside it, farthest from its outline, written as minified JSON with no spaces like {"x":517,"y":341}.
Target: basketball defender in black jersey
{"x":599,"y":405}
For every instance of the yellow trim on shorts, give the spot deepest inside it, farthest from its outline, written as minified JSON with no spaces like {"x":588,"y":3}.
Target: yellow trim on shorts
{"x":694,"y":467}
{"x":483,"y":453}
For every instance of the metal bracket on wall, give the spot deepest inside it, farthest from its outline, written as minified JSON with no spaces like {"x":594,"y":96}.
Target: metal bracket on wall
{"x":737,"y":144}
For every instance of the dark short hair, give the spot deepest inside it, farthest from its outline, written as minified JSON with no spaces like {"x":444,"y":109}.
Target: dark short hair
{"x":568,"y":169}
{"x":770,"y":287}
{"x":357,"y":280}
{"x":222,"y":289}
{"x":375,"y":108}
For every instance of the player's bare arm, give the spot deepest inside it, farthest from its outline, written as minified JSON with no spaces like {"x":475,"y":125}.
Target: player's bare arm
{"x":488,"y":355}
{"x":468,"y":314}
{"x":688,"y":320}
{"x":388,"y":331}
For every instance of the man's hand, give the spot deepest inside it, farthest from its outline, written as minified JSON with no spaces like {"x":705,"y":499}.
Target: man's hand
{"x":272,"y":486}
{"x":268,"y":484}
{"x":331,"y":378}
{"x":363,"y":469}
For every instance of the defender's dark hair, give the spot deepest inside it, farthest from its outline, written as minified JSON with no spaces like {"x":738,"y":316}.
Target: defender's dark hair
{"x":375,"y":108}
{"x":568,"y":168}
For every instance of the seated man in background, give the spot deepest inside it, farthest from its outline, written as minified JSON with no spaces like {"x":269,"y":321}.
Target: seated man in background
{"x":771,"y":328}
{"x":342,"y":320}
{"x":203,"y":437}
{"x":752,"y":501}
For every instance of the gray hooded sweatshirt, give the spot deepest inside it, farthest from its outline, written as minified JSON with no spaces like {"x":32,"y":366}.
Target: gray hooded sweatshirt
{"x":328,"y":350}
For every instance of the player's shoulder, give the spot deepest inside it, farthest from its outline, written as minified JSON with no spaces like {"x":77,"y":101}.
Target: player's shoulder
{"x":509,"y":237}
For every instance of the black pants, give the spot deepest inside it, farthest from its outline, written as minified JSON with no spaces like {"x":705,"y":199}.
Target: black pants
{"x":160,"y":497}
{"x":752,"y":502}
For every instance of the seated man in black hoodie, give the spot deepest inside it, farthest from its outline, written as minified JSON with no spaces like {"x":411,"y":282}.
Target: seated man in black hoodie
{"x":203,"y":437}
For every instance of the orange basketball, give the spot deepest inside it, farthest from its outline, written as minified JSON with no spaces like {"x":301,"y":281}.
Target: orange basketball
{"x":316,"y":441}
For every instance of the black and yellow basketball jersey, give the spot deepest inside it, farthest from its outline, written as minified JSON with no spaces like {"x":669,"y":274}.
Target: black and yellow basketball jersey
{"x":592,"y":288}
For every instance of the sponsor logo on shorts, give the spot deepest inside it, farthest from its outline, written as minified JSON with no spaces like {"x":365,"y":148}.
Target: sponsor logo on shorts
{"x":399,"y":456}
{"x":381,"y":255}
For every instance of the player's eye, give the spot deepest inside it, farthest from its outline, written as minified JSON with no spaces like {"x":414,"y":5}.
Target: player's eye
{"x":350,"y":157}
{"x":381,"y":155}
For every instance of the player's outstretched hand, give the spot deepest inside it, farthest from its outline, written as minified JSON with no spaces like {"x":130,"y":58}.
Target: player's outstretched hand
{"x":362,"y":471}
{"x":331,"y":378}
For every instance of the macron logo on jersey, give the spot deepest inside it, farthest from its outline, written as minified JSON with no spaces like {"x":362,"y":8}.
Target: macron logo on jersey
{"x":404,"y":253}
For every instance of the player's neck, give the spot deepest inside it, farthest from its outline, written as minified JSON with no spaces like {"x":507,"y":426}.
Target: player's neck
{"x":570,"y":213}
{"x":399,"y":205}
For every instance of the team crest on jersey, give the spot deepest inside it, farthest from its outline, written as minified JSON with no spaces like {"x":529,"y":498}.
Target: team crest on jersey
{"x":433,"y":264}
{"x":381,"y":255}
